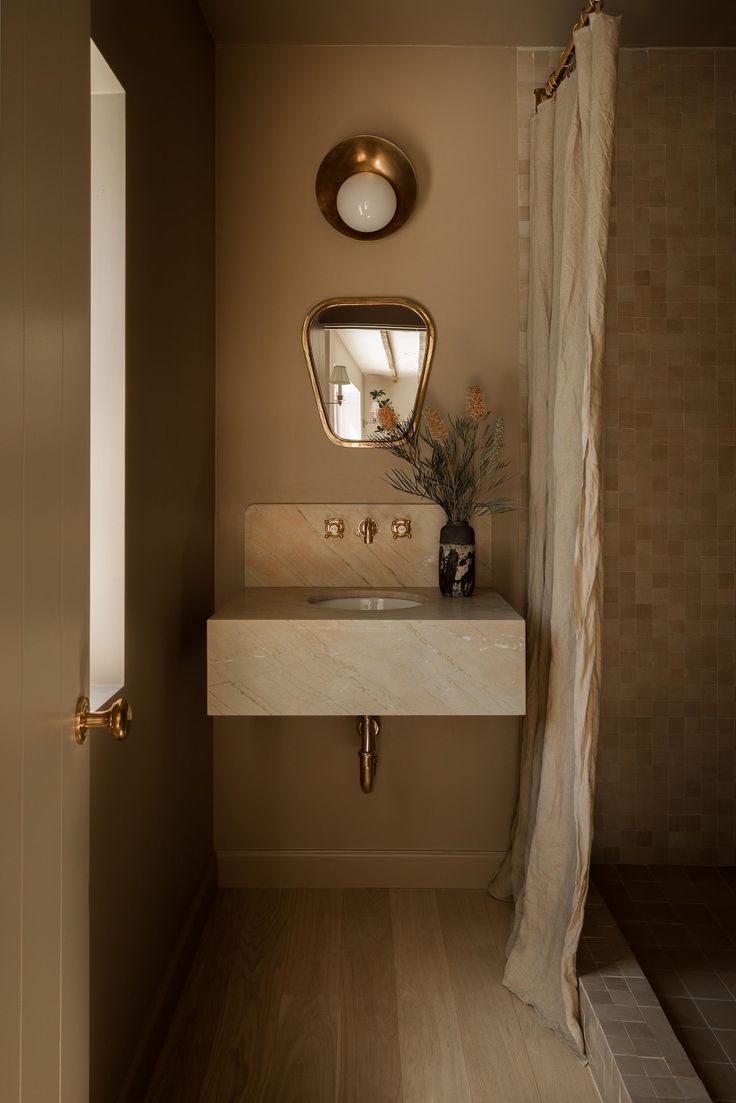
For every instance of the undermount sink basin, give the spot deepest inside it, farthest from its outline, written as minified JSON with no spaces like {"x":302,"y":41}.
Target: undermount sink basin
{"x":376,"y":603}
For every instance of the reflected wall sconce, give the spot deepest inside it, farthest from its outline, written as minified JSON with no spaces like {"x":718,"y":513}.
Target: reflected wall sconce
{"x":339,"y":377}
{"x":366,"y":187}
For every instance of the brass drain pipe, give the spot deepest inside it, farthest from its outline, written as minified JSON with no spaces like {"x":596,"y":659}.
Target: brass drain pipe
{"x":368,"y":729}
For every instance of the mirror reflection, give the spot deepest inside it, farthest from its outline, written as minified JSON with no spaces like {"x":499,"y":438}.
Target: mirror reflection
{"x":369,"y":361}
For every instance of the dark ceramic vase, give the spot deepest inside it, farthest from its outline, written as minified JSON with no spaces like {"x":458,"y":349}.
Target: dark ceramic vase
{"x":457,"y":559}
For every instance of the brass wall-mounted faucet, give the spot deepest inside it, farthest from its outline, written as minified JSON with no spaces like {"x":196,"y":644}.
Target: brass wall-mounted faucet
{"x":367,"y":529}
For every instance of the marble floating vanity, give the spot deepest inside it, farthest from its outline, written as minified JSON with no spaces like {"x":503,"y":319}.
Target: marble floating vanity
{"x":276,"y":652}
{"x":280,"y":650}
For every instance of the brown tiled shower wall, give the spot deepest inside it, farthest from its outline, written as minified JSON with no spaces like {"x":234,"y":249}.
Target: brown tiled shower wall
{"x":667,"y":756}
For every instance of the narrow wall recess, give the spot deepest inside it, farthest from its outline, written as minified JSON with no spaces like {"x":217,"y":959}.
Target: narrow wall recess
{"x":107,"y":383}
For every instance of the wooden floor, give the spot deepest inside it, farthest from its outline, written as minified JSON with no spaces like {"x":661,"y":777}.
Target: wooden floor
{"x":359,"y":996}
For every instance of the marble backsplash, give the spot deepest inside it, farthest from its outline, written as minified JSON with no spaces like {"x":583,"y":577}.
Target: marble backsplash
{"x":285,"y":545}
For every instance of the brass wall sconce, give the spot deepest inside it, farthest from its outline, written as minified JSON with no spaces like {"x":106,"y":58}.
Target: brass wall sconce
{"x":366,"y":187}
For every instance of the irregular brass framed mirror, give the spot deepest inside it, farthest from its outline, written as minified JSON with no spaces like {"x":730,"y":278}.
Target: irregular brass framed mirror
{"x":369,"y":361}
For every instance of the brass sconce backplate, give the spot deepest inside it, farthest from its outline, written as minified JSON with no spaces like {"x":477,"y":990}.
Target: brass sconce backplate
{"x":366,"y":153}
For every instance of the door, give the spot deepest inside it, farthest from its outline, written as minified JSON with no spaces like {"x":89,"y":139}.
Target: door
{"x":44,"y":548}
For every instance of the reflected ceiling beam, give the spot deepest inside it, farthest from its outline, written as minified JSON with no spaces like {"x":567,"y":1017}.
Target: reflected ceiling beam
{"x":389,"y":355}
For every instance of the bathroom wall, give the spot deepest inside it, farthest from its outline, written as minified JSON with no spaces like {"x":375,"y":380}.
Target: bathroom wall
{"x":287,"y":801}
{"x":668,"y":725}
{"x":151,"y":834}
{"x":667,"y":749}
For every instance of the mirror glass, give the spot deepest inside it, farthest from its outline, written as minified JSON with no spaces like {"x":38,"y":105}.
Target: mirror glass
{"x":369,"y":362}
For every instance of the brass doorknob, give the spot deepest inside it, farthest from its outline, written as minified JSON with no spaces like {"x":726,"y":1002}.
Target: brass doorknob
{"x":117,"y":719}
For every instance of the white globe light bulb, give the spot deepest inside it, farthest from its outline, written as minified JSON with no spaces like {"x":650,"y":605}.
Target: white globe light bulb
{"x":366,"y":202}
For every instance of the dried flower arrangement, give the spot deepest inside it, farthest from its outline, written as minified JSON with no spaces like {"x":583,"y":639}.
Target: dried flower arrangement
{"x":455,"y":462}
{"x":386,"y":416}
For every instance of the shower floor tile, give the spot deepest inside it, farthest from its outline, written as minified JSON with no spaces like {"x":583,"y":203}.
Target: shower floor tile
{"x":681,"y":923}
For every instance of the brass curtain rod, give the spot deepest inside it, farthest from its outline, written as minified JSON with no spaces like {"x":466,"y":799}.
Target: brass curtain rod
{"x":567,"y":57}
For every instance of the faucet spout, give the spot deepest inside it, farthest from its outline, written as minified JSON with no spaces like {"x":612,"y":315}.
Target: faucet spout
{"x":367,"y":529}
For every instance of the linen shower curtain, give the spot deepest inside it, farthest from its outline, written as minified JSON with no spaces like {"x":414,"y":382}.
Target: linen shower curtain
{"x":546,"y":870}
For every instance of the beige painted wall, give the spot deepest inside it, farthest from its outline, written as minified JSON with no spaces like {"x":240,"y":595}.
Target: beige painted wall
{"x":151,"y":797}
{"x":284,"y":785}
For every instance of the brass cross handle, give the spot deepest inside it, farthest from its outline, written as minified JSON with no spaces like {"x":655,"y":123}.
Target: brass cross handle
{"x":117,"y":719}
{"x":401,"y":528}
{"x":334,"y":526}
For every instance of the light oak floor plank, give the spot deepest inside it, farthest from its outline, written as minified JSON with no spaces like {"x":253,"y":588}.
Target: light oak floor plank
{"x":243,"y":1053}
{"x":432,"y":1059}
{"x":305,"y":1057}
{"x":370,"y":1057}
{"x":359,"y":996}
{"x":496,"y":1059}
{"x":559,"y":1075}
{"x":185,"y":1057}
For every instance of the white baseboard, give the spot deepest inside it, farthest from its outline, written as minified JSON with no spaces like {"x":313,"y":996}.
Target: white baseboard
{"x":356,"y":868}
